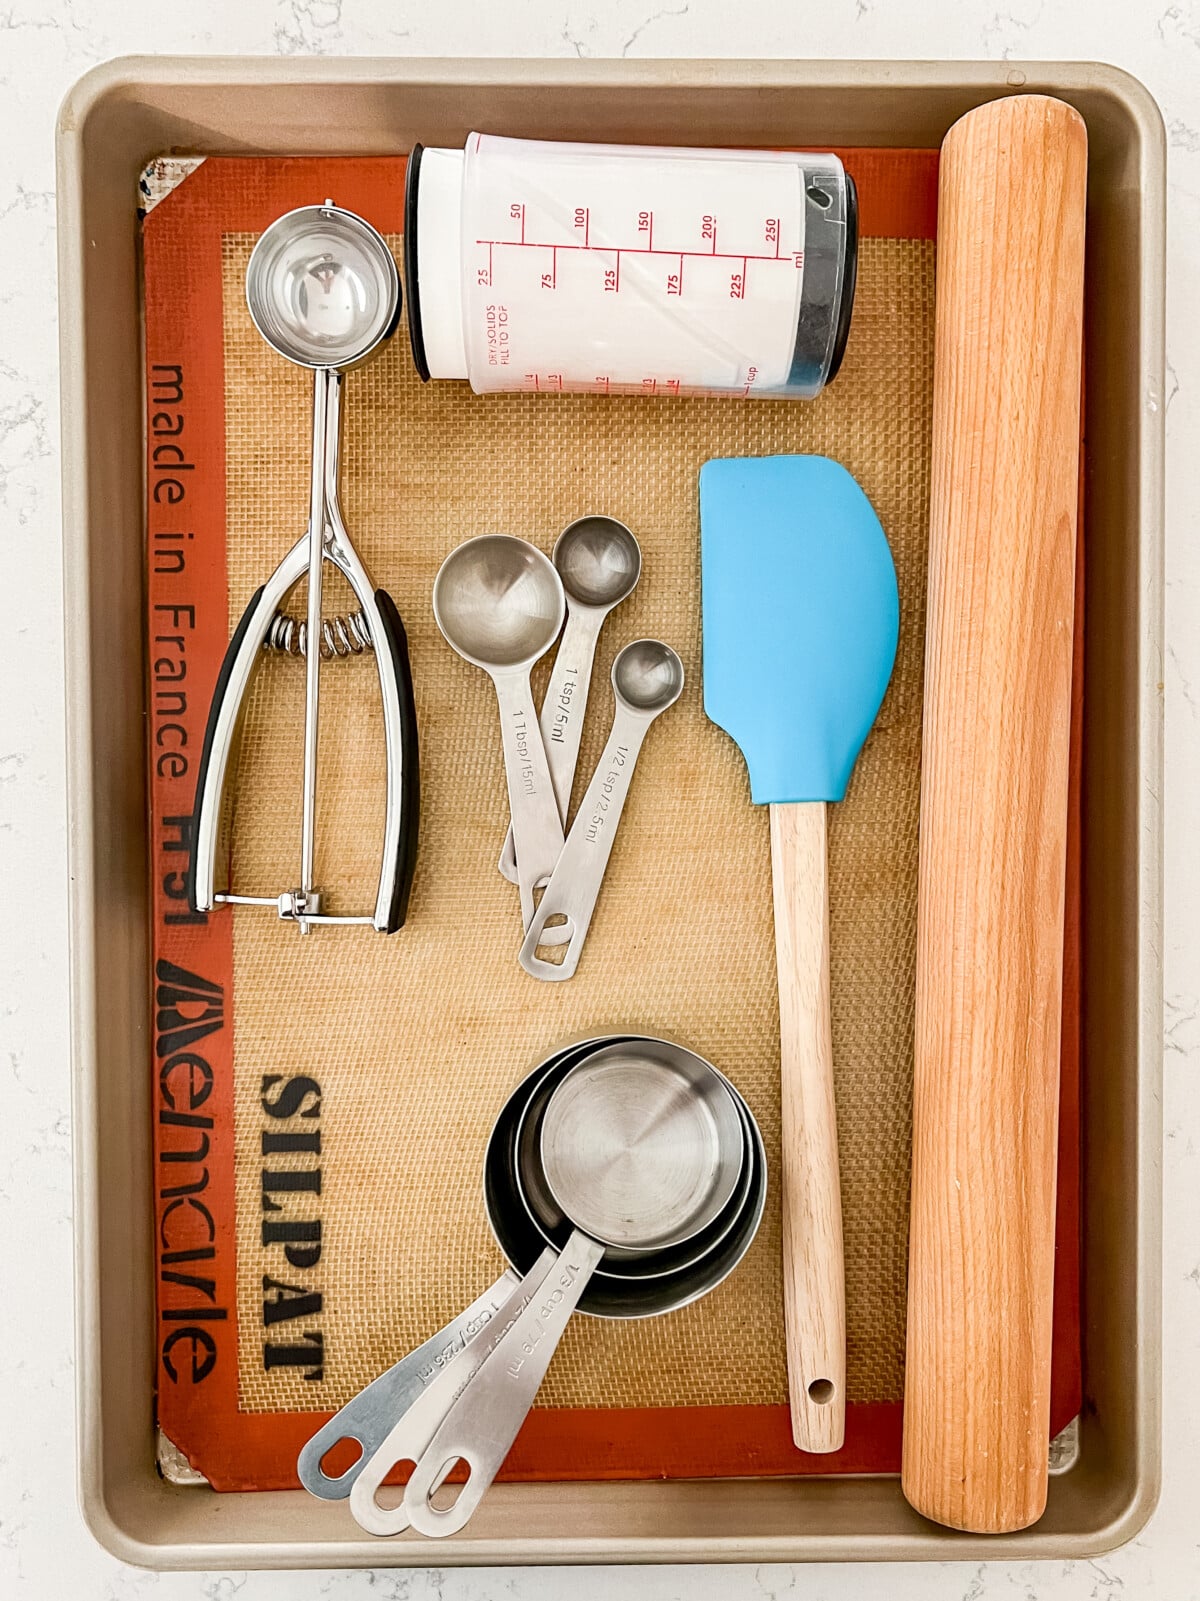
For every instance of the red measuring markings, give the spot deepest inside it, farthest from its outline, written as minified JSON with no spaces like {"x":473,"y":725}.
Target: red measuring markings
{"x":772,"y":233}
{"x":484,"y":275}
{"x":603,"y":384}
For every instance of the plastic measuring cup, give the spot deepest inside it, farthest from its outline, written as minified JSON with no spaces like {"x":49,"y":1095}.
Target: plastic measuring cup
{"x":532,"y":265}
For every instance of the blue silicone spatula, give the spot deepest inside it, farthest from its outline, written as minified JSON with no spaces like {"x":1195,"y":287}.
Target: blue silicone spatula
{"x":801,"y":616}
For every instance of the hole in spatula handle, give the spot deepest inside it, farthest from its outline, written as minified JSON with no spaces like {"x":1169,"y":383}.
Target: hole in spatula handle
{"x":821,"y":1391}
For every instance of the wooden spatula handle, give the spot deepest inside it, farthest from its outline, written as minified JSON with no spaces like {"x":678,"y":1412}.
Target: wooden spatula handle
{"x":994,"y":813}
{"x":814,"y":1294}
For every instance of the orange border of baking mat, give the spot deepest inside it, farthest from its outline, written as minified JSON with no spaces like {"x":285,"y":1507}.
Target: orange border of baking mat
{"x":193,"y":1045}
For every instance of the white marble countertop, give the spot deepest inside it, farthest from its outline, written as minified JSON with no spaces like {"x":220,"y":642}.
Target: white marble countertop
{"x":44,"y":46}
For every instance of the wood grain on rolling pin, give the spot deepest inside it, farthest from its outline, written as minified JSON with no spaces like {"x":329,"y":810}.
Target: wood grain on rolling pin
{"x":994,"y":813}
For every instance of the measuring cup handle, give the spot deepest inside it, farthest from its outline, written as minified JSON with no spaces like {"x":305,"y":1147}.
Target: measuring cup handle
{"x":561,"y":717}
{"x":411,"y":1433}
{"x":482,"y":1424}
{"x":574,"y":886}
{"x":401,"y":862}
{"x":368,"y":1418}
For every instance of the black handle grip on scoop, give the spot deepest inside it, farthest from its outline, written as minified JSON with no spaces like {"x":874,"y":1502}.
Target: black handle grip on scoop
{"x":210,"y":730}
{"x":395,"y":641}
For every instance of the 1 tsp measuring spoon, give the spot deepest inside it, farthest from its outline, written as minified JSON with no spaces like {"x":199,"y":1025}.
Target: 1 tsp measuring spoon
{"x":599,"y":562}
{"x":499,"y":602}
{"x":647,"y":677}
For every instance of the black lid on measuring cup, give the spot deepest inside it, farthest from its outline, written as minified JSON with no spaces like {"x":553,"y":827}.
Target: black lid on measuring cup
{"x":849,"y":281}
{"x":412,"y":283}
{"x":830,"y":276}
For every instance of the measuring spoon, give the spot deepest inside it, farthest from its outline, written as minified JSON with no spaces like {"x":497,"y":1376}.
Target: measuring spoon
{"x":500,"y":603}
{"x":599,"y":562}
{"x":647,"y":677}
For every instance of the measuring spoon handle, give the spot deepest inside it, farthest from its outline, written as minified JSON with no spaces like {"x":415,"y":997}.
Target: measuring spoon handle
{"x":537,"y":827}
{"x":561,"y":716}
{"x":574,"y":885}
{"x":367,"y":1418}
{"x":483,"y":1422}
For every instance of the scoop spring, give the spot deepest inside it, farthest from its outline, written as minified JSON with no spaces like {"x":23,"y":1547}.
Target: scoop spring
{"x":341,"y":636}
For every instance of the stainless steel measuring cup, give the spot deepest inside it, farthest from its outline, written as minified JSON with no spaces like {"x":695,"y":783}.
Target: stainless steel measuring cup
{"x":499,"y":602}
{"x":529,"y":1183}
{"x":641,"y":1147}
{"x":524,"y":1219}
{"x":675,"y":1150}
{"x":647,"y":678}
{"x":599,"y":562}
{"x":368,"y":1417}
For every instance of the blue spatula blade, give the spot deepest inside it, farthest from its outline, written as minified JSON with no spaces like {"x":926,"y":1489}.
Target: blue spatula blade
{"x":801,"y":617}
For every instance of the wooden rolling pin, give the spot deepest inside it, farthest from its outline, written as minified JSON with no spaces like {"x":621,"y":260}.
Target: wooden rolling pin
{"x":994,"y":813}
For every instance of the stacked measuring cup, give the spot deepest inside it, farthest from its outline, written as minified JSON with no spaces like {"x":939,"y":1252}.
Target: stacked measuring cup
{"x":626,"y":1177}
{"x":501,"y":603}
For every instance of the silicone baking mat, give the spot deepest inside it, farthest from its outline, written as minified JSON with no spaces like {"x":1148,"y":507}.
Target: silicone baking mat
{"x":323,"y":1103}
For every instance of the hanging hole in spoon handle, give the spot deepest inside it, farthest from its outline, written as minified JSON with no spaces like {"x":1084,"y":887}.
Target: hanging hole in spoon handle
{"x":367,"y":1418}
{"x":480,"y":1427}
{"x":575,"y":884}
{"x":647,"y":678}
